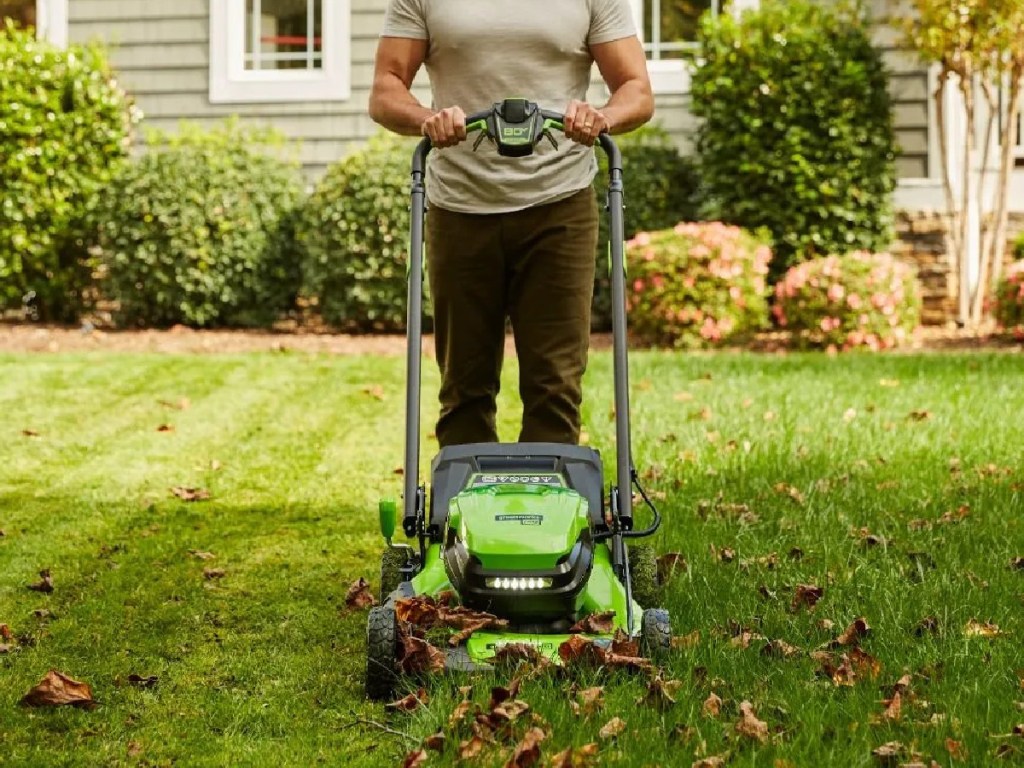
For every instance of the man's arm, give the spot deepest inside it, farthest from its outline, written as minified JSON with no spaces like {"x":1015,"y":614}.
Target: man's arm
{"x":624,"y":68}
{"x":392,"y":104}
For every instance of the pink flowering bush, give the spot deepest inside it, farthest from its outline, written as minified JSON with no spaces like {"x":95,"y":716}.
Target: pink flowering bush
{"x":1009,"y":300}
{"x":861,"y":299}
{"x":697,"y":284}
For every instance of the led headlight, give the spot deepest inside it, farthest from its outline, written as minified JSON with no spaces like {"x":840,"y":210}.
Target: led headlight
{"x":504,"y":582}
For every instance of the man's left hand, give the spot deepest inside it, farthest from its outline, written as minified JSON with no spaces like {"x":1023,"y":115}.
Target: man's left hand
{"x":583,"y":123}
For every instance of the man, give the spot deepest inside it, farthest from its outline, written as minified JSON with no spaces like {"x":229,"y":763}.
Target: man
{"x":510,"y":237}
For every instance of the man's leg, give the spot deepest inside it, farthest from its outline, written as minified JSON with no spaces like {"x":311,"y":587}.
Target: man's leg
{"x":466,"y":272}
{"x":552,"y":285}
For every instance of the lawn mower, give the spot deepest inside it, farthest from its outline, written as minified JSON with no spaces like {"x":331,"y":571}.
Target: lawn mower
{"x":521,"y":531}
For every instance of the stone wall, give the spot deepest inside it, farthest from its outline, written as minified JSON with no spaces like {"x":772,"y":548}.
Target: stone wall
{"x":921,"y":240}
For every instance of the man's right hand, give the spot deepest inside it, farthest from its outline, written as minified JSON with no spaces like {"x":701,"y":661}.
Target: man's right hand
{"x":446,"y":127}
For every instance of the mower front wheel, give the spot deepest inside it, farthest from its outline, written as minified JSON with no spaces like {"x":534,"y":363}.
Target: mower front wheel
{"x":655,"y":633}
{"x":381,"y":651}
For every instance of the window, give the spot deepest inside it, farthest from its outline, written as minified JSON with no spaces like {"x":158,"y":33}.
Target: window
{"x":49,"y":17}
{"x":670,"y":26}
{"x":279,"y":50}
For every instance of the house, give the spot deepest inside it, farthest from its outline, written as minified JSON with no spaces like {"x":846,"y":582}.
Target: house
{"x":305,"y":67}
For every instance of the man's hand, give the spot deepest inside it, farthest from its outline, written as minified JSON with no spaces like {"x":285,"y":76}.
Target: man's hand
{"x":445,"y":128}
{"x":583,"y":123}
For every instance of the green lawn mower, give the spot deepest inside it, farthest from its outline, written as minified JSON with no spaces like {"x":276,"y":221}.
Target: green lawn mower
{"x":521,"y":531}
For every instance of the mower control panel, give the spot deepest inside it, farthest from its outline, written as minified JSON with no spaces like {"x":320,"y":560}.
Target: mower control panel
{"x":505,"y":478}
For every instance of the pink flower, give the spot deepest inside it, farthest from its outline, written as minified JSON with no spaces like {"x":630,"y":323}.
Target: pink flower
{"x":689,"y":281}
{"x":780,"y":314}
{"x":642,"y":238}
{"x":854,"y":301}
{"x":638,"y":285}
{"x":836,"y":292}
{"x":710,"y":330}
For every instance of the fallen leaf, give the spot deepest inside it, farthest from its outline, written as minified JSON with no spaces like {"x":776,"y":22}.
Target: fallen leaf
{"x":623,"y":645}
{"x":376,"y":391}
{"x":45,"y":583}
{"x":134,"y":749}
{"x":574,"y":758}
{"x":725,"y":554}
{"x":1017,"y":564}
{"x":712,"y":706}
{"x":612,"y":728}
{"x":29,"y":433}
{"x":590,"y":700}
{"x":852,"y":635}
{"x":57,"y":689}
{"x":902,"y":685}
{"x":398,"y":471}
{"x":415,"y":759}
{"x":459,"y":713}
{"x":779,"y":649}
{"x":501,"y":694}
{"x":5,"y":632}
{"x":143,"y":682}
{"x":691,"y":640}
{"x":579,"y":650}
{"x":889,"y":752}
{"x":527,"y":751}
{"x":165,"y":428}
{"x":714,"y":761}
{"x":864,"y":663}
{"x":670,"y":564}
{"x":957,"y":516}
{"x":182,"y":405}
{"x":978,"y":629}
{"x":795,"y":554}
{"x":435,"y":742}
{"x":201,"y":555}
{"x":893,"y":708}
{"x":806,"y":595}
{"x":422,"y":610}
{"x":956,"y":749}
{"x":791,"y":491}
{"x":595,"y":623}
{"x":929,"y":625}
{"x":471,"y":747}
{"x":744,"y":638}
{"x":514,"y":654}
{"x":919,"y":415}
{"x":214,"y":573}
{"x":417,"y":655}
{"x":749,"y":725}
{"x":409,"y":703}
{"x":660,"y":693}
{"x":190,"y":494}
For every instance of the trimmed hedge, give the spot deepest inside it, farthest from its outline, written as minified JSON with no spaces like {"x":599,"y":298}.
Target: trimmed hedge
{"x":355,"y":232}
{"x":65,"y":129}
{"x":698,"y":284}
{"x":200,"y":231}
{"x":860,"y":299}
{"x":797,"y":129}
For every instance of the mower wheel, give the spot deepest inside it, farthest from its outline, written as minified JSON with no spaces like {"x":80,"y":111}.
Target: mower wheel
{"x":643,"y":571}
{"x":381,"y":649}
{"x":655,"y":633}
{"x":391,"y":560}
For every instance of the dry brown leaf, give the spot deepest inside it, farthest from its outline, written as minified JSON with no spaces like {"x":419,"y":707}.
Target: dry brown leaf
{"x":902,"y":685}
{"x":182,"y":405}
{"x":976,"y":628}
{"x":779,"y":649}
{"x":956,"y":749}
{"x":893,"y":707}
{"x":422,"y":611}
{"x":919,"y":415}
{"x":471,"y":748}
{"x":415,"y":759}
{"x":57,"y":689}
{"x":713,"y":761}
{"x":691,"y":640}
{"x":660,"y":692}
{"x":214,"y":573}
{"x":669,"y":565}
{"x":29,"y":433}
{"x":165,"y":428}
{"x":527,"y":751}
{"x":806,"y":595}
{"x":590,"y":700}
{"x":864,"y":663}
{"x":929,"y":625}
{"x":579,"y":650}
{"x":410,"y":702}
{"x":612,"y":728}
{"x":624,"y":645}
{"x":725,"y":554}
{"x":749,"y":725}
{"x":853,"y":634}
{"x":459,"y":713}
{"x":5,"y":632}
{"x":417,"y":655}
{"x":1017,"y":564}
{"x":513,"y":654}
{"x":889,"y":752}
{"x":595,"y":623}
{"x":190,"y":494}
{"x":744,"y":638}
{"x":712,"y":706}
{"x":376,"y":391}
{"x":45,"y":583}
{"x":501,"y":694}
{"x":957,"y":516}
{"x":139,"y":681}
{"x":359,"y":594}
{"x":434,"y":742}
{"x":574,"y":758}
{"x":202,"y":555}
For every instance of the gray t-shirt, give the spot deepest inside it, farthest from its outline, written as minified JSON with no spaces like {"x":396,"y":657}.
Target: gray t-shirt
{"x":484,"y":51}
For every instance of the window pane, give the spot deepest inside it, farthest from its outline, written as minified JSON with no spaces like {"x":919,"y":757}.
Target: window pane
{"x":283,"y":34}
{"x":22,"y":11}
{"x":670,"y":24}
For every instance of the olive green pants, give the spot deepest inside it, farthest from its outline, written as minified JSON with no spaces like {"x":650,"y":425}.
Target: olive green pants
{"x":535,"y":267}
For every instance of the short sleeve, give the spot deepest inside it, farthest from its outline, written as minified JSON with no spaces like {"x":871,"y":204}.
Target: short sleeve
{"x":405,"y":18}
{"x":610,"y":20}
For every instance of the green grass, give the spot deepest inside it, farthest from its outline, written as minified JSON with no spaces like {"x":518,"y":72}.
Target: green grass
{"x":264,"y":666}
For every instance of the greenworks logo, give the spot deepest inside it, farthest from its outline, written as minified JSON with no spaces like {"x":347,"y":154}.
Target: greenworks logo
{"x":521,"y":519}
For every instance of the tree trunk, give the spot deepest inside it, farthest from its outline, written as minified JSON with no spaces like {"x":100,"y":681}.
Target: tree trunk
{"x":967,"y":91}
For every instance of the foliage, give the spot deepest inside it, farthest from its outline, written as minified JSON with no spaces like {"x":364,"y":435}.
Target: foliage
{"x":65,"y":128}
{"x":860,"y":299}
{"x":797,"y":129}
{"x":697,"y":284}
{"x":660,"y":191}
{"x":1009,"y":300}
{"x":355,"y":232}
{"x":199,"y":230}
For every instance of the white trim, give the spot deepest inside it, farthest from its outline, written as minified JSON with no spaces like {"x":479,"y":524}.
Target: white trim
{"x":231,"y":83}
{"x":52,"y":21}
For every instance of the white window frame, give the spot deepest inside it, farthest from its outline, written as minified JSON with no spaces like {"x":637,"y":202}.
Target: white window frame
{"x":672,"y":76}
{"x":52,"y":21}
{"x":232,"y":83}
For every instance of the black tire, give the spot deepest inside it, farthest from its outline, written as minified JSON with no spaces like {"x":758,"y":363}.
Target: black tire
{"x":391,"y":560}
{"x":381,"y":650}
{"x":643,"y":570}
{"x":655,"y":633}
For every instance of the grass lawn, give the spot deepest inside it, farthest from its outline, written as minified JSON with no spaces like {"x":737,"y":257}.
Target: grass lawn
{"x":895,"y":483}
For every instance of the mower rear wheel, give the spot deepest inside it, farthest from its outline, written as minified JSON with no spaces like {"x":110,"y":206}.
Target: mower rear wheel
{"x":391,"y":560}
{"x":381,"y":650}
{"x":643,"y":571}
{"x":655,"y":633}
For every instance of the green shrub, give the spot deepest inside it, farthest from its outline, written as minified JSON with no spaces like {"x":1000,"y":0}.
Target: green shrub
{"x":697,"y":284}
{"x":660,"y":190}
{"x":355,"y":234}
{"x":860,"y":299}
{"x":1009,"y":300}
{"x":1018,"y":246}
{"x":200,"y":231}
{"x":65,"y":129}
{"x":797,"y":130}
